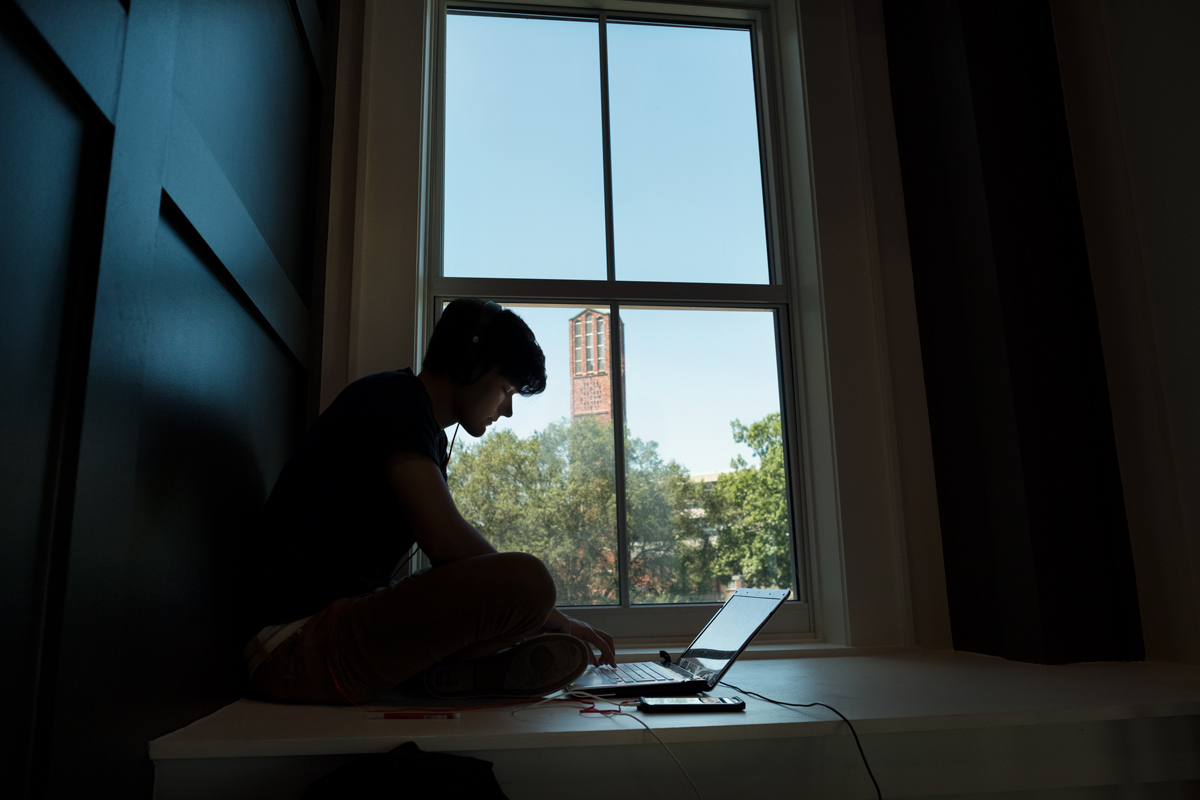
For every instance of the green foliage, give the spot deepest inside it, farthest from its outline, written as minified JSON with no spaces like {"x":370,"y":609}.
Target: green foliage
{"x":553,"y":495}
{"x":749,"y":507}
{"x":669,"y":545}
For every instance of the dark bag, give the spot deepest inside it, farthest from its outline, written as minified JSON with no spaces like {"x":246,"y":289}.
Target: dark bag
{"x":408,"y":771}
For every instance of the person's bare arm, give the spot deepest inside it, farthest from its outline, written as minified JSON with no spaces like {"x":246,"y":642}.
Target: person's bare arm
{"x":440,"y":531}
{"x":561,"y":623}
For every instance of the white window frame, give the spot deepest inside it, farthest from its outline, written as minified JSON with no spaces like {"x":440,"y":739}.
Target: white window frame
{"x":871,"y":542}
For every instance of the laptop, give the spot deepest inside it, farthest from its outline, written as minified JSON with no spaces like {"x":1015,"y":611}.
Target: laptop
{"x":703,"y":664}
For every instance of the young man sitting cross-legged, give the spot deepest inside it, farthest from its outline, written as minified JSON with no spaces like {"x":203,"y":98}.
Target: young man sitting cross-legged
{"x":364,"y":484}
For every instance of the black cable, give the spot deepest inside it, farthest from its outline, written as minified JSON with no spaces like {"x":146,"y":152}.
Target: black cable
{"x":870,"y":774}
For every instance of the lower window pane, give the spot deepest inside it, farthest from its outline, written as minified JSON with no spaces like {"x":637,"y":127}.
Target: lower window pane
{"x":705,"y":475}
{"x":543,"y":482}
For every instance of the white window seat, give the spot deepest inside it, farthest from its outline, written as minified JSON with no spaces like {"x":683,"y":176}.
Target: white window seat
{"x":932,"y":724}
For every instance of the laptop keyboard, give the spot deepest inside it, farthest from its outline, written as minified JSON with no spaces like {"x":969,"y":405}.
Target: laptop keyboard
{"x":635,"y":673}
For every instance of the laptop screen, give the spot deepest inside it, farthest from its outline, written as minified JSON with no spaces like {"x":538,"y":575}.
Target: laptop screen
{"x":729,"y":632}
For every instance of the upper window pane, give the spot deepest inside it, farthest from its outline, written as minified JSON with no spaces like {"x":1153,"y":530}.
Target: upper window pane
{"x":524,"y":174}
{"x":687,"y":181}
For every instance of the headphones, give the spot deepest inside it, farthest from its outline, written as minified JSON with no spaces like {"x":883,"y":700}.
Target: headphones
{"x":478,"y":336}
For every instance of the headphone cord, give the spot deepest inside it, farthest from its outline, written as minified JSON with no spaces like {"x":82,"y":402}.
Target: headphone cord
{"x":449,"y":451}
{"x":870,"y":774}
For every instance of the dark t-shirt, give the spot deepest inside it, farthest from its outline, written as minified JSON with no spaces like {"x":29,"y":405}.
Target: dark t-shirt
{"x":333,"y":526}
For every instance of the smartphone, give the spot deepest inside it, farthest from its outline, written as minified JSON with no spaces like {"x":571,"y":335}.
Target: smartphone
{"x":671,"y":705}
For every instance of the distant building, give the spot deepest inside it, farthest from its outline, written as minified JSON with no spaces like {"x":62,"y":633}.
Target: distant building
{"x":590,"y":352}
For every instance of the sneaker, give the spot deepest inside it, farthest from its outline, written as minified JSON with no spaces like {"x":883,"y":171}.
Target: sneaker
{"x":533,"y":668}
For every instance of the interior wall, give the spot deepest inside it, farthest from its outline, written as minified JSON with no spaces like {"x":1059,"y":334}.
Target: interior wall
{"x":383,"y":303}
{"x":336,"y":291}
{"x":859,"y":574}
{"x":1131,"y":78}
{"x":55,"y":147}
{"x":372,"y":315}
{"x":158,"y":219}
{"x":1036,"y":545}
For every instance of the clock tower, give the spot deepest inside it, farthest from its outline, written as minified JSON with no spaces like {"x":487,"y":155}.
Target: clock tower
{"x":591,"y":364}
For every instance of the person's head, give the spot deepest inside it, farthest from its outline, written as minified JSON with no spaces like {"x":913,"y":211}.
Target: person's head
{"x":487,"y":348}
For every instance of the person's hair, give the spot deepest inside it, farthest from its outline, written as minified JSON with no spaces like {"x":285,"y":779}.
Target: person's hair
{"x":472,"y":339}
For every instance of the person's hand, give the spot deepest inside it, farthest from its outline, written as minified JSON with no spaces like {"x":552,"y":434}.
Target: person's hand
{"x":559,"y":622}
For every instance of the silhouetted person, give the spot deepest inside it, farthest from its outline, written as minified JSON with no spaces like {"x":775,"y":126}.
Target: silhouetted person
{"x":366,"y":482}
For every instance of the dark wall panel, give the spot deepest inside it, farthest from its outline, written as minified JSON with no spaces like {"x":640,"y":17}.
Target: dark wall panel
{"x":55,"y":150}
{"x":247,"y":82}
{"x":221,"y":405}
{"x":89,"y":36}
{"x":41,"y":148}
{"x":152,"y":377}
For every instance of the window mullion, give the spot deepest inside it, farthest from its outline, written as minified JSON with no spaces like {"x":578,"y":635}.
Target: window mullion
{"x":606,"y":149}
{"x":614,"y":335}
{"x":616,"y":373}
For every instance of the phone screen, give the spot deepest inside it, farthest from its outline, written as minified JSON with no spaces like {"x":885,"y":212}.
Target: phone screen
{"x":685,"y":701}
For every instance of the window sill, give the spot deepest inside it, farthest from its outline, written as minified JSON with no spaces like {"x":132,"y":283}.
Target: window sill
{"x":777,"y":647}
{"x":882,"y":693}
{"x":677,"y":625}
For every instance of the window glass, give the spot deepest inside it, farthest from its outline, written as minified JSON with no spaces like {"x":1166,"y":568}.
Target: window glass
{"x":524,"y":174}
{"x":577,"y":325}
{"x":600,"y":344}
{"x":687,"y":181}
{"x":704,"y":459}
{"x":705,"y":506}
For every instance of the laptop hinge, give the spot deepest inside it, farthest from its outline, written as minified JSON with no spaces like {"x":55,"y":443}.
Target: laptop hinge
{"x":697,"y":671}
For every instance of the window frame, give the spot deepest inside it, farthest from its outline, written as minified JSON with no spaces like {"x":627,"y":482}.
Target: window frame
{"x":872,"y":539}
{"x":629,"y":622}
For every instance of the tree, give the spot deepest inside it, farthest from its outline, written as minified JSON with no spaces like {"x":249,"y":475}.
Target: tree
{"x":669,"y":547}
{"x":551,"y":495}
{"x":749,"y":509}
{"x":554,"y":495}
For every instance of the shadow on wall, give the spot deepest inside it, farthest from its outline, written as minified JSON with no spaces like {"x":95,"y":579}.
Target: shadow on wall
{"x":201,"y":491}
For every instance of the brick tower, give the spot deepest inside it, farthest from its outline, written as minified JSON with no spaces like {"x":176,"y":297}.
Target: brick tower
{"x":591,"y":360}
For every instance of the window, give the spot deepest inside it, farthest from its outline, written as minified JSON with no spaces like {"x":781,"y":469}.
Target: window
{"x":600,"y":344}
{"x":590,"y":347}
{"x":609,"y":172}
{"x":575,"y":326}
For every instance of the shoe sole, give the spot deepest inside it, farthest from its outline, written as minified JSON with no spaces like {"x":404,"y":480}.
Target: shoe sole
{"x":533,"y":668}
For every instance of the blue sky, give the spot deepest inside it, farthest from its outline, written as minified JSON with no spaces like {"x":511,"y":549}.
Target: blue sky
{"x":524,"y":170}
{"x":687,"y":187}
{"x":524,"y":189}
{"x":718,"y":366}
